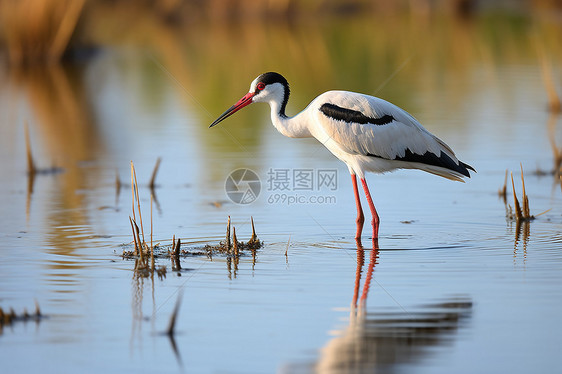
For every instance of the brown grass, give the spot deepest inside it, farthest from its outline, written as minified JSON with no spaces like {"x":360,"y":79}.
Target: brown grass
{"x":554,"y":104}
{"x":142,"y":249}
{"x":522,"y":211}
{"x":556,"y":151}
{"x":38,"y":31}
{"x":227,"y":240}
{"x":235,"y":243}
{"x":175,"y":254}
{"x":502,"y":192}
{"x":30,"y":163}
{"x":231,"y":247}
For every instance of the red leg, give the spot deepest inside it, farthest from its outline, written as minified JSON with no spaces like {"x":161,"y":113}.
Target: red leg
{"x":360,"y":216}
{"x":375,"y":221}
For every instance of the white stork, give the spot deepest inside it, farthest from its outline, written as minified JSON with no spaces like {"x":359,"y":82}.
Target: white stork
{"x":365,"y":132}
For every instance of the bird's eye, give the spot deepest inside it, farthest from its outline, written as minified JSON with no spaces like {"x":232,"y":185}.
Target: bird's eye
{"x":260,"y":86}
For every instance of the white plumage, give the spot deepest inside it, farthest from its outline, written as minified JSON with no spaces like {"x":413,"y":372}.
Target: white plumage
{"x":365,"y":132}
{"x":388,"y":142}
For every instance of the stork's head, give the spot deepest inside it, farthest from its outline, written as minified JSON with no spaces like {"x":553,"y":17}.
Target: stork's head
{"x":268,"y":87}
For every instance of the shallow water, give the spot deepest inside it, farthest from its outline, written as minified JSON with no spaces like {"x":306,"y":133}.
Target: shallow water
{"x":456,"y":287}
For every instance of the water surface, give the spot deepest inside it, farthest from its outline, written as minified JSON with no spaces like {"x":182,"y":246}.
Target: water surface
{"x":455,"y":286}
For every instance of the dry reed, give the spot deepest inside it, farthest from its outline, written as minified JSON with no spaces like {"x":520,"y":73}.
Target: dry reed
{"x":118,"y":183}
{"x":38,"y":31}
{"x":554,"y":104}
{"x":152,"y":183}
{"x":522,"y":213}
{"x":135,"y":190}
{"x":140,"y":243}
{"x":556,"y":151}
{"x":502,"y":192}
{"x":232,"y":247}
{"x":254,"y":237}
{"x":31,"y":169}
{"x":235,"y":243}
{"x":227,"y":240}
{"x":175,"y":255}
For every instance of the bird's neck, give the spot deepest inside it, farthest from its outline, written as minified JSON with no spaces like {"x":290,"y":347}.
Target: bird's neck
{"x":293,"y":127}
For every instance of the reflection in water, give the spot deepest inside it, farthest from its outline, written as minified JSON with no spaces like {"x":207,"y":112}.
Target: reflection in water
{"x":375,"y":341}
{"x":381,"y":341}
{"x":521,"y":229}
{"x":556,"y":150}
{"x":370,"y":270}
{"x":141,"y":272}
{"x":445,"y":70}
{"x":232,"y":266}
{"x":61,"y":122}
{"x":33,"y":171}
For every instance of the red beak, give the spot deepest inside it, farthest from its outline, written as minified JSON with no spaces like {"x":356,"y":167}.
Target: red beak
{"x":245,"y":101}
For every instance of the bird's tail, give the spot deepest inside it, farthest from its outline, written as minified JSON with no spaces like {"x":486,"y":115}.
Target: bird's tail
{"x":444,"y":172}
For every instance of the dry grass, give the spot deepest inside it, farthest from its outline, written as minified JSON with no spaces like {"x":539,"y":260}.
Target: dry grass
{"x":521,"y":211}
{"x":502,"y":192}
{"x":142,"y":266}
{"x":554,"y":104}
{"x":38,"y":31}
{"x":231,"y":246}
{"x":32,"y":169}
{"x":175,"y":254}
{"x":556,"y":151}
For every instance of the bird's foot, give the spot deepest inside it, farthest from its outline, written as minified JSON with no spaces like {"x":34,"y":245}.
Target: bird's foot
{"x":359,"y":221}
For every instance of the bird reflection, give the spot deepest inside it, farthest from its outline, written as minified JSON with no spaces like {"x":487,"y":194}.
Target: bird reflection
{"x":381,"y":341}
{"x":360,"y":262}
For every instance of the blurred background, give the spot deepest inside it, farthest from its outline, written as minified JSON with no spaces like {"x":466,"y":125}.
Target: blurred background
{"x":89,"y":76}
{"x":100,"y":83}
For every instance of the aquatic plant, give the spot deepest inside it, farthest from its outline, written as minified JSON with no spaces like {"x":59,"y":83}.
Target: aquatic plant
{"x":554,"y":104}
{"x":231,"y":246}
{"x":521,"y":211}
{"x":502,"y":192}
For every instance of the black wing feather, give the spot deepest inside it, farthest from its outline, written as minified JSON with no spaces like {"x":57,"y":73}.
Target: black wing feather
{"x":429,"y":158}
{"x":348,"y":115}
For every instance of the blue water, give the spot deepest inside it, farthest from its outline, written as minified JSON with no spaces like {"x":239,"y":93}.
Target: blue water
{"x":455,"y":287}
